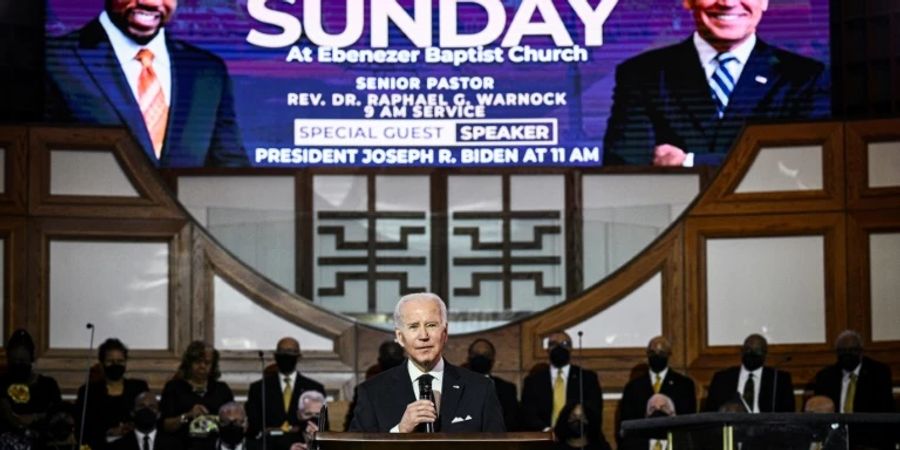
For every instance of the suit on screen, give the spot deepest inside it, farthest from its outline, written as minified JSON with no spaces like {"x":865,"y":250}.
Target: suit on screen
{"x":663,"y":97}
{"x":468,"y":402}
{"x":85,"y":84}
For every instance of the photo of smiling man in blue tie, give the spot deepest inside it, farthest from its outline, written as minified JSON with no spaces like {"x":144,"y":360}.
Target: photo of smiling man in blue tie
{"x":683,"y":105}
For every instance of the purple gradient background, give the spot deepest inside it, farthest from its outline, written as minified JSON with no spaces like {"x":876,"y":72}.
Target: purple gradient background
{"x":262,"y":78}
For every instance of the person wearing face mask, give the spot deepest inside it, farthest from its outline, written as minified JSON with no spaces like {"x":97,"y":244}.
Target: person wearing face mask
{"x":25,"y":396}
{"x":547,"y":390}
{"x":660,"y":379}
{"x":481,"y":357}
{"x":578,"y":428}
{"x":145,"y":433}
{"x":109,"y":400}
{"x":751,"y":383}
{"x":232,"y":431}
{"x":855,"y":383}
{"x":283,"y":389}
{"x":658,"y":405}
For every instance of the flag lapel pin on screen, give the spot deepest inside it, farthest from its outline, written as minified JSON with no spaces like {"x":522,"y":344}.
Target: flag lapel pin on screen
{"x":761,"y":79}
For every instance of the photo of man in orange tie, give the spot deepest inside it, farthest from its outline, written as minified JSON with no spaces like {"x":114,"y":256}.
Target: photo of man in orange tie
{"x":122,"y":69}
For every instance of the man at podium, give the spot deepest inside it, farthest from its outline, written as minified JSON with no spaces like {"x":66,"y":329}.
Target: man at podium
{"x":426,"y":393}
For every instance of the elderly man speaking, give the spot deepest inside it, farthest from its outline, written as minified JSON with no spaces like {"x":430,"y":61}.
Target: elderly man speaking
{"x":396,"y":400}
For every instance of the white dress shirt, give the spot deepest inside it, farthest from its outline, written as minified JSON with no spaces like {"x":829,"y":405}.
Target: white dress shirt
{"x":708,"y":53}
{"x":126,"y":51}
{"x":293,"y":379}
{"x":140,"y":438}
{"x":661,"y":376}
{"x":664,"y":444}
{"x":437,"y":374}
{"x":845,"y":382}
{"x":565,"y":375}
{"x":757,"y":381}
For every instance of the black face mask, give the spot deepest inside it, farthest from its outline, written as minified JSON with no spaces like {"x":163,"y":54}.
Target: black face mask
{"x":481,"y":364}
{"x":575,"y":429}
{"x":848,"y":360}
{"x":286,"y":363}
{"x":657,"y":413}
{"x":114,"y":372}
{"x":560,"y":356}
{"x":145,"y":420}
{"x":20,"y":371}
{"x":657,"y":363}
{"x":231,"y":434}
{"x":752,"y":361}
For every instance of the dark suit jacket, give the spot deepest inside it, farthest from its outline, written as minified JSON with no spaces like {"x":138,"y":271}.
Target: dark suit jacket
{"x":663,"y":97}
{"x":509,"y":402}
{"x":724,"y":388}
{"x":163,"y":441}
{"x":873,"y":387}
{"x":85,"y":84}
{"x":105,"y":412}
{"x":275,"y":414}
{"x":382,"y":400}
{"x":537,"y":396}
{"x":639,"y":390}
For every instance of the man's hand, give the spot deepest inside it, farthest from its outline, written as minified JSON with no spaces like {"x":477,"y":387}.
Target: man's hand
{"x":417,"y":412}
{"x":668,"y":155}
{"x":310,"y":431}
{"x":197,"y":411}
{"x":119,"y":430}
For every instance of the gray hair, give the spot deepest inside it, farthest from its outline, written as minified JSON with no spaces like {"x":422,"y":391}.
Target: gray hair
{"x":398,"y":321}
{"x":311,"y":395}
{"x":232,"y":406}
{"x":847,"y":334}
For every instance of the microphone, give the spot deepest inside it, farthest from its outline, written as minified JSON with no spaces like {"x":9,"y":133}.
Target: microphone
{"x":581,"y":387}
{"x":775,"y":367}
{"x":322,"y":424}
{"x":87,"y":385}
{"x":425,"y":393}
{"x":262,"y":369}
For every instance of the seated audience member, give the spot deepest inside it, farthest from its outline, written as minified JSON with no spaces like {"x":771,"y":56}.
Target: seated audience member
{"x":145,"y":433}
{"x":751,"y":383}
{"x":545,"y":392}
{"x":481,"y":357}
{"x":659,"y":379}
{"x":578,"y":428}
{"x":310,"y":408}
{"x":283,"y":389}
{"x":820,"y":404}
{"x":195,"y":390}
{"x":658,"y":405}
{"x":110,"y":400}
{"x":25,"y":396}
{"x":232,"y":431}
{"x":855,"y":383}
{"x":390,"y":355}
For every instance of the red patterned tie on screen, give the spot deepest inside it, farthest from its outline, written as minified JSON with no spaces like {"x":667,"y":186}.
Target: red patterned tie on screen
{"x":152,"y":101}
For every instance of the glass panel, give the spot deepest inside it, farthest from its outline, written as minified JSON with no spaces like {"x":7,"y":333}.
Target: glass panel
{"x":774,"y":286}
{"x":259,"y":328}
{"x":631,"y":322}
{"x":884,"y":259}
{"x":88,"y":173}
{"x":884,"y":164}
{"x":779,"y":169}
{"x":253,"y":217}
{"x":120,"y":287}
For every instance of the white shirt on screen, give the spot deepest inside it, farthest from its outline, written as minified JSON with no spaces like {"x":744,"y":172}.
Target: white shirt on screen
{"x":742,"y":380}
{"x":437,"y":374}
{"x":846,"y":382}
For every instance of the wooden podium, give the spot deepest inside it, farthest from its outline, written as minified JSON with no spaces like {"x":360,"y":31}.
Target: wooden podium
{"x":433,"y":441}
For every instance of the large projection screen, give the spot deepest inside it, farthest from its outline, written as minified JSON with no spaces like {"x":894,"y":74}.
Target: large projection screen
{"x":455,"y":83}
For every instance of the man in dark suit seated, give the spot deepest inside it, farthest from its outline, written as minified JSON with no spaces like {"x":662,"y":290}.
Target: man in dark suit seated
{"x":146,"y":434}
{"x":481,"y":357}
{"x":462,"y":401}
{"x":855,"y":383}
{"x":660,"y":379}
{"x":122,"y":69}
{"x":547,"y":390}
{"x":685,"y":104}
{"x":283,"y":389}
{"x":751,"y":383}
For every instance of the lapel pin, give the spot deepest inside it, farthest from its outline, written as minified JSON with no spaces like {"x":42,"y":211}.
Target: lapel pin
{"x":455,"y":386}
{"x":761,"y":79}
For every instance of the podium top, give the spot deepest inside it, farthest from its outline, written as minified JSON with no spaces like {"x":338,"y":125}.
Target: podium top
{"x":435,"y":437}
{"x":744,"y":419}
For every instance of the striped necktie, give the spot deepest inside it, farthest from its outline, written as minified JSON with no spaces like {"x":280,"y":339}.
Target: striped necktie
{"x":722,"y":82}
{"x":152,"y":101}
